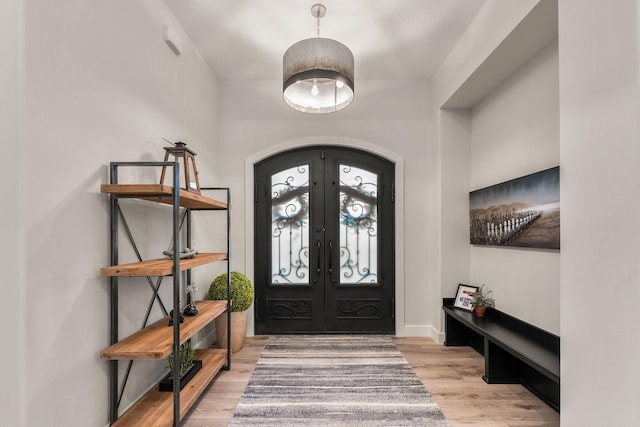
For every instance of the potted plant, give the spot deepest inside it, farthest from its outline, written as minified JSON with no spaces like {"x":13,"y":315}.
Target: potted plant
{"x":188,"y":367}
{"x":241,"y":299}
{"x":482,"y":299}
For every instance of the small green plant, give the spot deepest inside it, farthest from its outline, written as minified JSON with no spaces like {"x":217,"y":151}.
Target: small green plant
{"x":241,"y":290}
{"x":186,"y":358}
{"x":482,"y":298}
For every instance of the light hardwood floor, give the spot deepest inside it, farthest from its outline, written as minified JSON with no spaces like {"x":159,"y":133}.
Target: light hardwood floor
{"x":451,"y":374}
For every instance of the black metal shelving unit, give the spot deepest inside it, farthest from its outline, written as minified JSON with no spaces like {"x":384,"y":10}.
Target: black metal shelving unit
{"x":182,"y":204}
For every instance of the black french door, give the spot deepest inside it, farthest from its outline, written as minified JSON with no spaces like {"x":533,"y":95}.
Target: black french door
{"x":324,"y":249}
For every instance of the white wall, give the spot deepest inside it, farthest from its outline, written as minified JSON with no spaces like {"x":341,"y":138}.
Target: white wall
{"x":599,"y":134}
{"x":389,"y":115}
{"x":12,"y":400}
{"x":101,"y":86}
{"x":454,"y":168}
{"x":515,"y":133}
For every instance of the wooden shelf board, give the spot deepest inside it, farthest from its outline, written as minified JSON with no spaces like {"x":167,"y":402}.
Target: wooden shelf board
{"x":155,"y":409}
{"x":156,"y":340}
{"x":160,"y":267}
{"x":160,"y":193}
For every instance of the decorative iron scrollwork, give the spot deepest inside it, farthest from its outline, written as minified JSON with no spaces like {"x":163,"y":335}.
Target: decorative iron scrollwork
{"x":358,"y":225}
{"x":290,"y":226}
{"x":359,"y":309}
{"x":289,"y":309}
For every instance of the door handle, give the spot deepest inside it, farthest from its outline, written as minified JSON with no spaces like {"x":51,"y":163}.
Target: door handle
{"x":331,"y":261}
{"x":318,"y":270}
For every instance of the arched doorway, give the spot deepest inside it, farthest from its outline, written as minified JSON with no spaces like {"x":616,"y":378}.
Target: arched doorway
{"x":324,"y":242}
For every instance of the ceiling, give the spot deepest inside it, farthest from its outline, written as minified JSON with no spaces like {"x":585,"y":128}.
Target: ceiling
{"x":390,"y":39}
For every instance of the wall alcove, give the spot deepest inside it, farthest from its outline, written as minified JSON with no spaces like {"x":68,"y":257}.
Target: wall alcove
{"x":498,"y":120}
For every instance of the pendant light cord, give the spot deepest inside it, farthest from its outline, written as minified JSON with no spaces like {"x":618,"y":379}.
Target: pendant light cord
{"x":318,"y":11}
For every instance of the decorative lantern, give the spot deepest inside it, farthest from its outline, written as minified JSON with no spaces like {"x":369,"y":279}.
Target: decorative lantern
{"x":186,"y":158}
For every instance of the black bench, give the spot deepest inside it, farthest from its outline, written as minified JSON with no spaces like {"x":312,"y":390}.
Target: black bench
{"x":514,"y":351}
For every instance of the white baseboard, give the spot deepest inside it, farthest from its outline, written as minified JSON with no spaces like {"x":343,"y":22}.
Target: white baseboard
{"x":424,"y":331}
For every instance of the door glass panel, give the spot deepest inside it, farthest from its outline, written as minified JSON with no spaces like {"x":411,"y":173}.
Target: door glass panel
{"x":358,"y":226}
{"x":290,"y":226}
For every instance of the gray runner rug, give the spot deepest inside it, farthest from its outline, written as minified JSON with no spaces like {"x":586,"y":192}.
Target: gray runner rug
{"x":335,"y":380}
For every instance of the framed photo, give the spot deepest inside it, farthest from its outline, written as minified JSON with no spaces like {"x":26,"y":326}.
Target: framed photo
{"x":523,"y":212}
{"x":463,"y":297}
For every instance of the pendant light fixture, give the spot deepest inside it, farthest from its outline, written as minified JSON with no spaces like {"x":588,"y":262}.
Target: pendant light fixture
{"x":318,"y":73}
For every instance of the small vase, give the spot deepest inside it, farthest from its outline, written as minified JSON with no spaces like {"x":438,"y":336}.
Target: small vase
{"x":479,"y":311}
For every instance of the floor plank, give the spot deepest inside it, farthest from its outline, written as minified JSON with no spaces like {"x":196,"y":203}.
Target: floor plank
{"x":451,"y":374}
{"x":453,"y":377}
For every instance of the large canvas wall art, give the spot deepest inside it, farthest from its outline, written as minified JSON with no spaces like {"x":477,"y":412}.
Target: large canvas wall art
{"x":523,"y":212}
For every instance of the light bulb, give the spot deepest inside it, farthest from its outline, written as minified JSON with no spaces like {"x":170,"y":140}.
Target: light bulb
{"x":339,"y":84}
{"x":314,"y":88}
